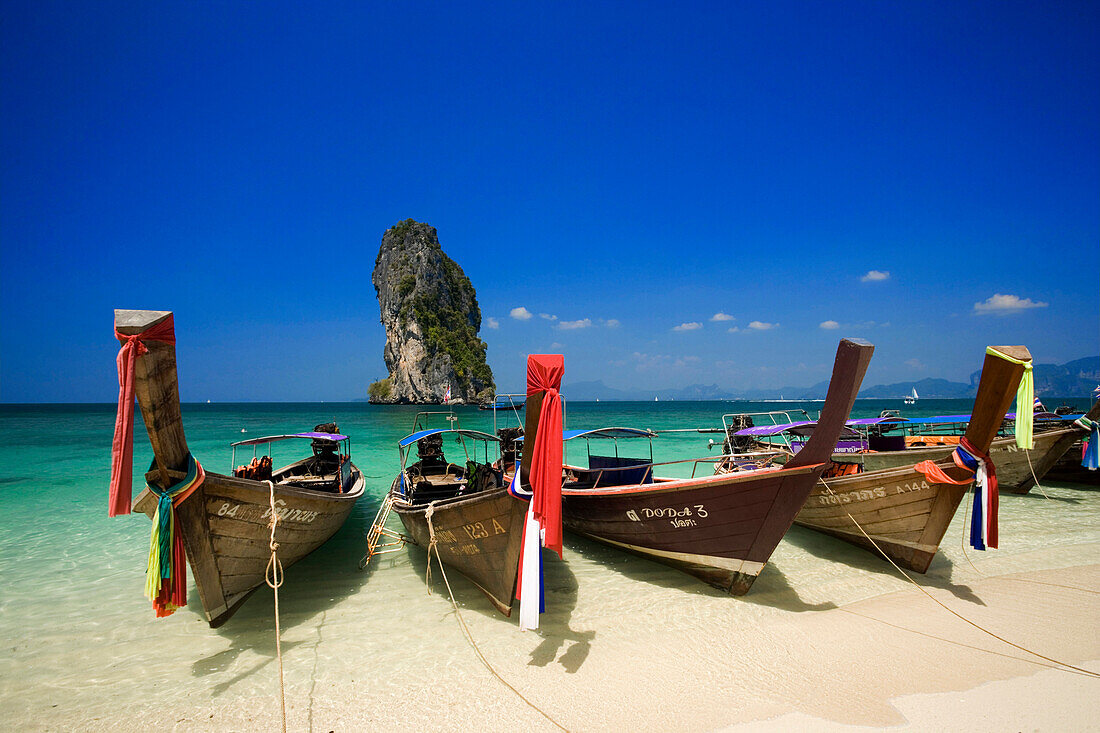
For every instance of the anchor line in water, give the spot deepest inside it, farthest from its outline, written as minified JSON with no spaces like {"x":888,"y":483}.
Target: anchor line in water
{"x":1064,"y":666}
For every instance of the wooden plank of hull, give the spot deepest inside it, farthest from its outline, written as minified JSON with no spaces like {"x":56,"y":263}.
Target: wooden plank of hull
{"x":479,"y":536}
{"x":1014,"y":475}
{"x":905,"y":514}
{"x":228,"y":554}
{"x":721,"y":529}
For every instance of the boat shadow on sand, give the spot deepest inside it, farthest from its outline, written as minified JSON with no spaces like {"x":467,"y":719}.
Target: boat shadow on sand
{"x":831,"y":549}
{"x":555,"y":630}
{"x":311,"y":587}
{"x":770,"y":589}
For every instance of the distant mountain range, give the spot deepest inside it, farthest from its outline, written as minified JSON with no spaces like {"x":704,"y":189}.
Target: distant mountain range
{"x":1073,"y":379}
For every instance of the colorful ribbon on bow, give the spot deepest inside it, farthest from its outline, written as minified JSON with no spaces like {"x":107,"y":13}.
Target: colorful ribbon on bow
{"x":543,"y":525}
{"x":983,"y":521}
{"x":1025,"y":401}
{"x":122,"y":447}
{"x":1090,"y":455}
{"x":166,"y":572}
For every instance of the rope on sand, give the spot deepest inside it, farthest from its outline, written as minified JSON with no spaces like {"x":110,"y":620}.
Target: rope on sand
{"x":1058,"y":665}
{"x":273,"y":576}
{"x":1035,"y":478}
{"x":962,"y":543}
{"x":432,"y":545}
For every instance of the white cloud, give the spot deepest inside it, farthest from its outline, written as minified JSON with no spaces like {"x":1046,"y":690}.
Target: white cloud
{"x":690,"y":326}
{"x":611,"y":323}
{"x":915,"y":363}
{"x":734,"y":329}
{"x":720,"y":316}
{"x":557,"y":346}
{"x":492,"y":323}
{"x":875,"y":276}
{"x":548,"y":317}
{"x":1003,"y":305}
{"x":761,"y":326}
{"x":830,"y":325}
{"x":685,"y":360}
{"x":649,"y":361}
{"x":520,"y":314}
{"x":571,"y":325}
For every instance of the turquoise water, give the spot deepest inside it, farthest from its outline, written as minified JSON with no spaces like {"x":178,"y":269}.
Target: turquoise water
{"x":84,"y":650}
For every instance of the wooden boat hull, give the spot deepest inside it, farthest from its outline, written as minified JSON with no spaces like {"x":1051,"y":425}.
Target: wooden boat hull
{"x":720,"y":529}
{"x":904,"y":513}
{"x":226,"y":532}
{"x":224,"y":522}
{"x":1014,"y":473}
{"x":479,"y":536}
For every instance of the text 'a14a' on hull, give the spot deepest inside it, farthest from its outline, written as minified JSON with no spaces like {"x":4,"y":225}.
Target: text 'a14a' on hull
{"x":719,"y":528}
{"x":220,"y":524}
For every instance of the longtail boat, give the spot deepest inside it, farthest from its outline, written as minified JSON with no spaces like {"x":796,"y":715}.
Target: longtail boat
{"x":467,"y":512}
{"x":719,"y":528}
{"x":1017,"y":468}
{"x":220,"y":523}
{"x":906,"y":510}
{"x":461,"y":510}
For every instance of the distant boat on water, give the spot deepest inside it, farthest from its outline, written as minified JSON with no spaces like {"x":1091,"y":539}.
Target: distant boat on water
{"x":912,"y":399}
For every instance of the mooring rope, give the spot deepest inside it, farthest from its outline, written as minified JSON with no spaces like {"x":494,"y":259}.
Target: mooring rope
{"x":1035,"y":478}
{"x":433,"y":545}
{"x":1057,"y":664}
{"x":273,"y":576}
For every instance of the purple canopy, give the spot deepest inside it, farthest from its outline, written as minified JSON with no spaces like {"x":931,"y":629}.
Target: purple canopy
{"x":766,"y":430}
{"x":273,"y":438}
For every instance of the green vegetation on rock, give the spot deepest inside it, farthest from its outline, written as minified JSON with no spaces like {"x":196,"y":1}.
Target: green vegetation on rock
{"x":380,"y":390}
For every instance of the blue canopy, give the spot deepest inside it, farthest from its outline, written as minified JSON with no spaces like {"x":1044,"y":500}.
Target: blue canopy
{"x":876,"y":420}
{"x":475,"y":434}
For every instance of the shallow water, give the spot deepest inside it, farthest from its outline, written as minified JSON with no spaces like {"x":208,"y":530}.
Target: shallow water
{"x":84,"y":649}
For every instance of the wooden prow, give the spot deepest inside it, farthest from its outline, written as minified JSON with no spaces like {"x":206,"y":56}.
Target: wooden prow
{"x":157,"y":391}
{"x":532,"y":408}
{"x":996,"y":391}
{"x":852,"y":358}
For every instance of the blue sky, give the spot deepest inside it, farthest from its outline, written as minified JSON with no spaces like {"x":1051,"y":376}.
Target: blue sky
{"x":626,"y":168}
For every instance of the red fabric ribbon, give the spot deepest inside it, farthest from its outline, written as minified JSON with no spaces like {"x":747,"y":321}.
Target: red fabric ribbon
{"x":122,"y":448}
{"x":544,"y":373}
{"x":936,"y":474}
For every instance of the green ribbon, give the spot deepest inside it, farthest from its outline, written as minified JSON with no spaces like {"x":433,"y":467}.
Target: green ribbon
{"x":1025,"y":401}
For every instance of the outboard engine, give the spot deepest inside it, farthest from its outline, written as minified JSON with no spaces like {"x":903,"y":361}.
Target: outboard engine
{"x":510,"y":449}
{"x":322,"y":448}
{"x":738,"y":443}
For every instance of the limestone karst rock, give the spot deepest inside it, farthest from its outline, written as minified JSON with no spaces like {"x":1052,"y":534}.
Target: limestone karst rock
{"x":430,"y":313}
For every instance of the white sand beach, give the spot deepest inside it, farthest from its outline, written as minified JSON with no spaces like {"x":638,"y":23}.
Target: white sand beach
{"x":829,"y":638}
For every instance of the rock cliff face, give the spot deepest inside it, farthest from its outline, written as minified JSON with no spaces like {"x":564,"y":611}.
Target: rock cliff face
{"x":431,"y":316}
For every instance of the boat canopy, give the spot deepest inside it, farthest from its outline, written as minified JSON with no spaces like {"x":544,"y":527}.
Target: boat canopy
{"x":309,"y":436}
{"x":877,"y":420}
{"x":800,"y":428}
{"x":612,"y":433}
{"x":761,"y":431}
{"x":475,"y":434}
